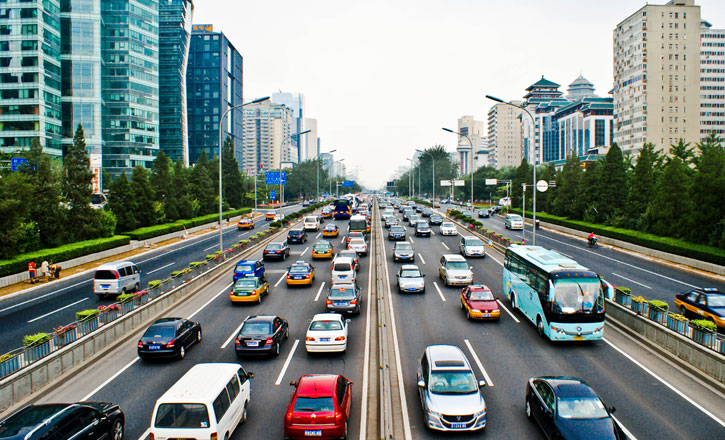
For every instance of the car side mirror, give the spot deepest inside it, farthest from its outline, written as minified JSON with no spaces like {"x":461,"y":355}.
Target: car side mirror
{"x":421,"y":384}
{"x":612,"y":410}
{"x":481,"y":383}
{"x":293,"y":383}
{"x":348,"y":321}
{"x":250,"y":374}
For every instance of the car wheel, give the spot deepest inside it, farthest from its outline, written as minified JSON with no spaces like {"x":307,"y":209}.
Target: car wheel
{"x":468,"y":315}
{"x":276,"y":349}
{"x":540,"y":326}
{"x":683,"y":310}
{"x":182,"y":352}
{"x":513,"y":302}
{"x":116,"y":432}
{"x":135,"y":288}
{"x":528,"y":409}
{"x":244,"y":413}
{"x":259,"y":299}
{"x":286,"y":333}
{"x":198,"y":336}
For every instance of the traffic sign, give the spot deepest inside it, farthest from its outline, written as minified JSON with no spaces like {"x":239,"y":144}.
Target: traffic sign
{"x":347,"y":184}
{"x":391,"y":184}
{"x":17,"y":162}
{"x":458,"y":183}
{"x":445,"y":183}
{"x":491,"y":181}
{"x":272,"y":177}
{"x":542,"y":185}
{"x":273,"y":195}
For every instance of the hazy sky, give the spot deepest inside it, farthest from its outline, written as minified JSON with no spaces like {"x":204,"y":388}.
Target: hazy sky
{"x":383,"y":77}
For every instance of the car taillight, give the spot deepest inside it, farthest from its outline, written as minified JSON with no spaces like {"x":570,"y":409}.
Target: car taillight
{"x":115,"y":274}
{"x":140,"y":344}
{"x":214,"y":436}
{"x":309,"y":339}
{"x":254,"y":292}
{"x":152,"y":436}
{"x":289,"y":276}
{"x":307,"y":277}
{"x":353,"y":302}
{"x":171,"y":344}
{"x":237,"y":342}
{"x":328,"y":302}
{"x":269,"y":341}
{"x":340,"y":338}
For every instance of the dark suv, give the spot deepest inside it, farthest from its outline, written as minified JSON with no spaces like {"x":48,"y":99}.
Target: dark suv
{"x":59,"y":421}
{"x":297,"y":236}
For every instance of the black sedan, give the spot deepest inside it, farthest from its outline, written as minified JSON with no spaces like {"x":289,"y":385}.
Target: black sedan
{"x":83,"y":420}
{"x":484,"y":213}
{"x":279,"y":250}
{"x":169,"y":337}
{"x":568,"y":408}
{"x":297,"y":236}
{"x":396,"y":233}
{"x":262,"y":334}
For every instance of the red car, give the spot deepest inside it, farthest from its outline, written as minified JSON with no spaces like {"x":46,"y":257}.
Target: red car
{"x":478,"y":302}
{"x":319,"y":408}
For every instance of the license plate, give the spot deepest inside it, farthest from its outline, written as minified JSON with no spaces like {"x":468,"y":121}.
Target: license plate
{"x":315,"y":433}
{"x":252,"y":343}
{"x":298,"y":278}
{"x":485,"y":315}
{"x":458,"y":425}
{"x":342,"y":276}
{"x":105,"y":286}
{"x":578,"y":338}
{"x":324,"y":339}
{"x":154,"y":347}
{"x":340,"y":303}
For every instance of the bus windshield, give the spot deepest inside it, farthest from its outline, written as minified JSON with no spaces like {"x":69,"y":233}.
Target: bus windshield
{"x":577,"y":296}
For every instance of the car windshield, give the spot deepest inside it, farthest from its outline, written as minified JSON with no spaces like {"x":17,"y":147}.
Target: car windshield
{"x":473,"y":242}
{"x":256,"y":329}
{"x":577,"y":296}
{"x":515,"y":217}
{"x":164,"y":331}
{"x":342,"y":292}
{"x":342,"y":267}
{"x":182,"y":415}
{"x":447,"y":225}
{"x":331,"y":227}
{"x":314,"y":404}
{"x":422,"y":225}
{"x":326,"y":325}
{"x":481,"y":295}
{"x":295,"y":233}
{"x":404,"y":246}
{"x":298,"y":269}
{"x":410,"y":273}
{"x":245,"y":282}
{"x":457,"y":265}
{"x":581,"y":408}
{"x":716,"y":301}
{"x":274,"y":246}
{"x":244,"y":268}
{"x":397,"y":229}
{"x":453,"y":382}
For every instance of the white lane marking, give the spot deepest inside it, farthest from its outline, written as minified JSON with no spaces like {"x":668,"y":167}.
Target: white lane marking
{"x":411,"y":240}
{"x":58,"y":310}
{"x":401,"y":385}
{"x":162,"y":267}
{"x":210,"y":300}
{"x":286,"y":363}
{"x":562,"y":253}
{"x":343,"y":240}
{"x":507,"y":311}
{"x":43,"y":296}
{"x":236,"y":332}
{"x":118,"y":373}
{"x":621,"y":262}
{"x":319,"y":291}
{"x":305,"y":251}
{"x":631,"y":281}
{"x":145,"y":435}
{"x":445,"y":246}
{"x":421,"y":258}
{"x":280,"y":279}
{"x":675,"y":390}
{"x":626,"y":431}
{"x":443,"y":298}
{"x":211,"y":247}
{"x":318,"y":235}
{"x":366,"y":360}
{"x":489,"y":382}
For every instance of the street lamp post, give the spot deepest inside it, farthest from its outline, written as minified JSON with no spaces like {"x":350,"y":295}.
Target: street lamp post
{"x":318,"y":171}
{"x":471,"y":144}
{"x":337,"y":188}
{"x":433,"y":159}
{"x":221,"y":120}
{"x":410,"y":173}
{"x":281,"y":149}
{"x":533,"y":161}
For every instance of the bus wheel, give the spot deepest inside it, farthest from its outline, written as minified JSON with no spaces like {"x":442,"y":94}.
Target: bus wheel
{"x":540,"y":326}
{"x":513,"y":301}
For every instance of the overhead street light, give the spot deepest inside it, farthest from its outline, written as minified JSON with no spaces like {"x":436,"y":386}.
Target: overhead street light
{"x":221,"y":120}
{"x":281,"y":149}
{"x":533,"y":160}
{"x":471,"y":144}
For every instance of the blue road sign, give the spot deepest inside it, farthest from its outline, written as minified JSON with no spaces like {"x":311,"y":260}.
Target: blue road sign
{"x":272,"y":177}
{"x":17,"y":162}
{"x":347,"y":183}
{"x":273,"y":195}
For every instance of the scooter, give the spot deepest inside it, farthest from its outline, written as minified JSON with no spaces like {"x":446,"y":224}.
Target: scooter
{"x":592,"y":242}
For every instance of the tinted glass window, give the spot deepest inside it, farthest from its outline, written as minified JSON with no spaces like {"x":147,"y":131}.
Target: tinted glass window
{"x":342,"y":267}
{"x":314,"y":404}
{"x":105,"y":275}
{"x":221,"y":405}
{"x":255,"y":329}
{"x":182,"y":415}
{"x":342,"y":292}
{"x":326,"y":325}
{"x":233,"y":388}
{"x":244,"y":268}
{"x":298,"y":269}
{"x":165,"y":331}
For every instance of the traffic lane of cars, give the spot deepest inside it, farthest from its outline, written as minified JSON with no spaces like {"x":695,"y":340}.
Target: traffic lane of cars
{"x":220,"y":321}
{"x":635,"y":393}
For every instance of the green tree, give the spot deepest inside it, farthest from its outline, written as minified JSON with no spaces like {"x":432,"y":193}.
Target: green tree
{"x":671,"y":211}
{"x":524,"y":174}
{"x":202,"y":185}
{"x":160,"y":179}
{"x":146,"y":210}
{"x":122,"y":202}
{"x":611,"y":188}
{"x":567,"y":186}
{"x":14,"y":209}
{"x":232,"y":178}
{"x":77,"y":178}
{"x":587,"y":205}
{"x":183,"y":201}
{"x":642,"y":186}
{"x":684,"y":152}
{"x":544,"y":200}
{"x":708,"y":191}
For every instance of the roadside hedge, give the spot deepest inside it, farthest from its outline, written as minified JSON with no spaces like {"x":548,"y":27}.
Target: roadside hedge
{"x":167,"y":228}
{"x":665,"y":244}
{"x":61,"y":253}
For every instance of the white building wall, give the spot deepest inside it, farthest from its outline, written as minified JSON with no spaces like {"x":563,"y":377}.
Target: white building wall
{"x":712,"y":81}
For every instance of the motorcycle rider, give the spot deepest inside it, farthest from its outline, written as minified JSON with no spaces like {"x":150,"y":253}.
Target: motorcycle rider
{"x":592,"y":239}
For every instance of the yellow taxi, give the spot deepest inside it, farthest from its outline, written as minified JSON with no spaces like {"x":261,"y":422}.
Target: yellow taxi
{"x":245,"y":223}
{"x":301,"y":273}
{"x":478,"y":302}
{"x":249,"y":289}
{"x":322,"y":249}
{"x":331,"y":230}
{"x":269,"y":215}
{"x":326,"y":213}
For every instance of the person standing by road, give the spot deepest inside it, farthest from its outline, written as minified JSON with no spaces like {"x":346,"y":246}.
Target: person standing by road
{"x":44,"y":270}
{"x":56,"y":271}
{"x":31,"y":272}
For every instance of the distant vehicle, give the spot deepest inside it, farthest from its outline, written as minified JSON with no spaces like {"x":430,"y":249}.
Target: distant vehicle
{"x":343,"y":209}
{"x":352,"y":255}
{"x":245,"y":223}
{"x":478,"y":302}
{"x":358,"y":245}
{"x":248,"y":268}
{"x":326,"y":212}
{"x":568,"y":408}
{"x":327,"y":332}
{"x":484,"y":213}
{"x":331,"y":230}
{"x":396,"y":233}
{"x":301,"y":273}
{"x":471,"y":246}
{"x":454,"y":270}
{"x":249,"y":289}
{"x":270,"y":215}
{"x":344,"y":298}
{"x":514,"y":221}
{"x":390,"y":221}
{"x":448,"y":228}
{"x":427,"y":212}
{"x":297,"y":236}
{"x":436,"y":204}
{"x":319,"y":408}
{"x":359,"y":223}
{"x":261,"y":334}
{"x":306,"y":203}
{"x":705,"y":303}
{"x":449,"y":392}
{"x":279,"y":250}
{"x":168,"y":337}
{"x":435,"y":219}
{"x":343,"y":270}
{"x":564,"y":299}
{"x":322,"y":249}
{"x":354,"y":234}
{"x":311,"y":223}
{"x":403,"y":251}
{"x":49,"y":421}
{"x":410,"y":279}
{"x":116,"y":278}
{"x":422,"y":229}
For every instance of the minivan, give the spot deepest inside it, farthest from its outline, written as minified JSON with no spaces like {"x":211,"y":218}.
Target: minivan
{"x":450,"y":395}
{"x":208,"y":402}
{"x":513,"y":221}
{"x":343,"y":270}
{"x":116,"y":278}
{"x":311,"y":223}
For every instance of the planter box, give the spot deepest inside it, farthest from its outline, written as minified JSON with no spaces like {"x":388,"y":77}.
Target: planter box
{"x":106,"y":317}
{"x":65,"y":338}
{"x":640,"y":308}
{"x":657,"y":315}
{"x":37,"y":351}
{"x":623,"y":298}
{"x":704,"y":337}
{"x":677,"y":325}
{"x":8,"y":366}
{"x":87,"y":326}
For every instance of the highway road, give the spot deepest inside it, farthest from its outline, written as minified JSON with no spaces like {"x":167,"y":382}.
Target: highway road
{"x":653,"y":399}
{"x":54,"y":304}
{"x":646,"y":277}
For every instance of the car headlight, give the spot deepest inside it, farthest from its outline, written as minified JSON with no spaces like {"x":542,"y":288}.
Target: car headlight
{"x":435,"y":414}
{"x":558,"y":330}
{"x":475,"y":310}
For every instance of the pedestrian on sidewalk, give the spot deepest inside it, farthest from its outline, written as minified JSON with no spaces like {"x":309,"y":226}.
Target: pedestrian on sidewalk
{"x":44,"y":270}
{"x":56,"y":271}
{"x":31,"y":272}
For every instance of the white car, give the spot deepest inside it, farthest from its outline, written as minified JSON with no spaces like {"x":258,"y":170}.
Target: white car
{"x":358,"y":245}
{"x":311,"y":223}
{"x":448,"y":228}
{"x":514,"y":221}
{"x":327,"y":333}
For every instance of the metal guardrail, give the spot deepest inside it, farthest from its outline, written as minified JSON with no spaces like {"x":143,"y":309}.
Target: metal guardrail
{"x":24,"y":357}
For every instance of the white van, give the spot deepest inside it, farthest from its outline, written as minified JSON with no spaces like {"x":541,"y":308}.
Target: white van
{"x":343,"y":270}
{"x":310,"y":223}
{"x":208,"y":403}
{"x":116,"y":278}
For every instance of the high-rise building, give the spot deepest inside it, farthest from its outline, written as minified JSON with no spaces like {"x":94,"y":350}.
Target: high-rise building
{"x":504,"y":135}
{"x":312,"y":141}
{"x":712,"y":80}
{"x":295,"y":101}
{"x":174,"y":38}
{"x":267,"y":132}
{"x":542,"y":100}
{"x":213,"y":85}
{"x":473,"y":129}
{"x":30,"y":78}
{"x":130,"y":84}
{"x":657,"y":76}
{"x":583,"y":127}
